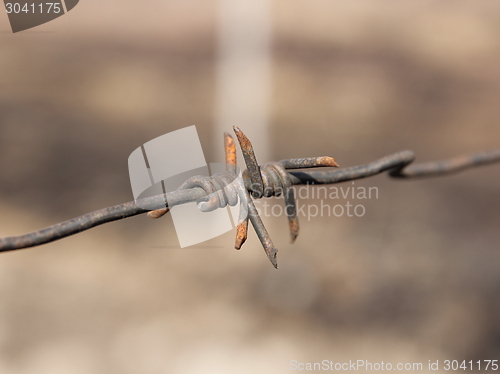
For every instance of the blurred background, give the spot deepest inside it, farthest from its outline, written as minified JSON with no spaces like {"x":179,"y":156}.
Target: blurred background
{"x":415,"y":279}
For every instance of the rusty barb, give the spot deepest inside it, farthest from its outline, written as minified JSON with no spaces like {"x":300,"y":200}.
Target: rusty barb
{"x":259,"y":181}
{"x":267,"y":180}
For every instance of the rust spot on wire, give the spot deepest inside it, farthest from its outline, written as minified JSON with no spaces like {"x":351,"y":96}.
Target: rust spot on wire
{"x":309,"y":162}
{"x":241,"y":234}
{"x":230,"y":150}
{"x":293,"y":224}
{"x":158,"y":213}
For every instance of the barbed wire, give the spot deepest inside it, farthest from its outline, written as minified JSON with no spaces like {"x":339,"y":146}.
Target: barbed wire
{"x":259,"y":181}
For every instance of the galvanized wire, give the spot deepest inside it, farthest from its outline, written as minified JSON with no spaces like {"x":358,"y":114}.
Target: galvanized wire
{"x":260,"y":181}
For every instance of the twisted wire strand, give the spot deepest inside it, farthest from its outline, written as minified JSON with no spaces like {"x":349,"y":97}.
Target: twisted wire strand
{"x":398,"y":164}
{"x":222,"y":189}
{"x":277,"y":182}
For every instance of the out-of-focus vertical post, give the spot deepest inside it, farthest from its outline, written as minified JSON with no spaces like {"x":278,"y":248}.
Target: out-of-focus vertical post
{"x":244,"y":71}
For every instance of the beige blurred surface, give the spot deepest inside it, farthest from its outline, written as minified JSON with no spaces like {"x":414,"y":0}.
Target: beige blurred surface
{"x":415,"y":279}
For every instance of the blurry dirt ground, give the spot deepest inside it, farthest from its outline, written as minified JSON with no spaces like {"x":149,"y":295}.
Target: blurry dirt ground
{"x":415,"y":279}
